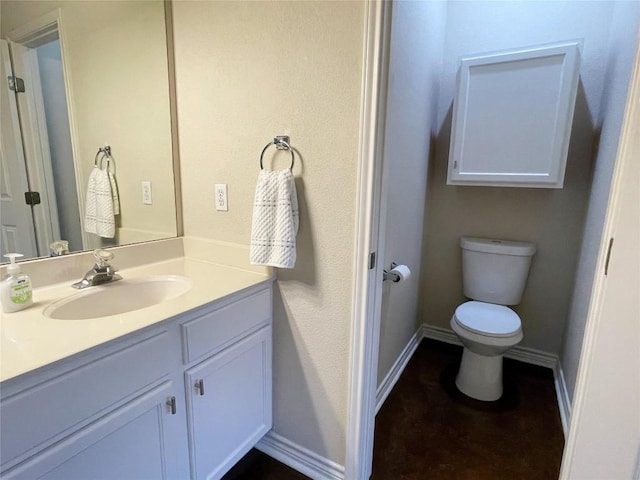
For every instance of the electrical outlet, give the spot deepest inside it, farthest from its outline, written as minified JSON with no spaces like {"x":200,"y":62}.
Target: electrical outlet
{"x":221,"y":197}
{"x":147,"y":198}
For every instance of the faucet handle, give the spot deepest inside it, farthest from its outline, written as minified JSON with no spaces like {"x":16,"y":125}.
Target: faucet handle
{"x":103,"y":257}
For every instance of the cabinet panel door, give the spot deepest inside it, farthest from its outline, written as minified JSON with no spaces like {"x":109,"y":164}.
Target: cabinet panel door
{"x":229,"y":398}
{"x":140,"y":440}
{"x":512,"y":117}
{"x":52,"y":410}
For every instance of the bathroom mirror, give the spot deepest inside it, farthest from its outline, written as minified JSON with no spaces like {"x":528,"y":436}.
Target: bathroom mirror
{"x":78,"y":77}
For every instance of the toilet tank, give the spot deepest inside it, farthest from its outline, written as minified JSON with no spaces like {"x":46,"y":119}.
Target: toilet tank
{"x":495,"y":271}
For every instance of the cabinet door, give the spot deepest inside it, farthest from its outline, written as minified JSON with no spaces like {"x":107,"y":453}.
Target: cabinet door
{"x":142,"y":439}
{"x":229,"y":399}
{"x":512,"y":117}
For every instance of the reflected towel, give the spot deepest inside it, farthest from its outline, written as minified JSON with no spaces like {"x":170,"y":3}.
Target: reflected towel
{"x":101,"y":204}
{"x":275,"y":220}
{"x":114,"y":194}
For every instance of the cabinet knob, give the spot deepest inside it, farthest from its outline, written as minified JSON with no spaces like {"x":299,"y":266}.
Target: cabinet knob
{"x":200,"y":386}
{"x":171,"y":403}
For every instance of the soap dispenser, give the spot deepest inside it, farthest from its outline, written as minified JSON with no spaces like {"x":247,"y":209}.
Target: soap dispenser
{"x":15,"y":290}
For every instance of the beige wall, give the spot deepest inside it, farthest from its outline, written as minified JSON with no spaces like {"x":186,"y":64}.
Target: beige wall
{"x":417,"y":32}
{"x":247,"y":71}
{"x":115,"y":59}
{"x":553,"y":219}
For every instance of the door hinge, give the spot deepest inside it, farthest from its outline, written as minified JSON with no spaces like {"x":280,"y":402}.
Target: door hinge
{"x":32,"y":198}
{"x":16,"y":84}
{"x":372,"y":260}
{"x":455,"y":164}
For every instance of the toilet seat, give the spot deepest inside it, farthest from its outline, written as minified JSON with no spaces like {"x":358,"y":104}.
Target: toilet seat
{"x":487,"y":319}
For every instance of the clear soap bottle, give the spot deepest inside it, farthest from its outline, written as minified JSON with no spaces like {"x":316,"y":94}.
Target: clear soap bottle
{"x":15,"y":290}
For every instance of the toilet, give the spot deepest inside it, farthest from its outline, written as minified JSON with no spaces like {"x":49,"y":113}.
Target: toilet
{"x":494,"y":274}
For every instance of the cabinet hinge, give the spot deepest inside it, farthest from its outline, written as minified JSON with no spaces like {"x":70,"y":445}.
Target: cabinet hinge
{"x":372,"y":260}
{"x":16,"y":84}
{"x":32,"y":198}
{"x":455,"y":164}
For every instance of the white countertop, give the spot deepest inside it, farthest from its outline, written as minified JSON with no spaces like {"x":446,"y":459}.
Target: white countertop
{"x":31,"y":340}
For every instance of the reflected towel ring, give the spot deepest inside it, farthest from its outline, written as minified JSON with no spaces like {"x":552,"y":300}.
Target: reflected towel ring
{"x":282,"y":143}
{"x":106,"y":153}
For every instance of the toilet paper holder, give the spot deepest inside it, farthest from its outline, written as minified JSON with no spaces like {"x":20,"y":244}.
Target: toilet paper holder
{"x":387,"y":275}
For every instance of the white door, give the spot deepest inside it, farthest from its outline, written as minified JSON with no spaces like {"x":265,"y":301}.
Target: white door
{"x":35,"y":142}
{"x":16,"y":217}
{"x":604,"y":436}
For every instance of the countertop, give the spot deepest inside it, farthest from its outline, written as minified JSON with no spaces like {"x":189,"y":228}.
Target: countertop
{"x":31,"y":340}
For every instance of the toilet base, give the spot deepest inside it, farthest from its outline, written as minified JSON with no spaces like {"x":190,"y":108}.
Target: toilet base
{"x":480,"y":376}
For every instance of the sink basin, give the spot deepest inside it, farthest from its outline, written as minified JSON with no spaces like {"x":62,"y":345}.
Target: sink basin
{"x":119,"y":297}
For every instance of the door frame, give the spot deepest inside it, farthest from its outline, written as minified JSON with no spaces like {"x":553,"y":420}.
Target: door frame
{"x":369,"y":241}
{"x":369,"y":238}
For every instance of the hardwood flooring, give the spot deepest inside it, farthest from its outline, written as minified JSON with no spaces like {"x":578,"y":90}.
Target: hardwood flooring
{"x":427,"y":429}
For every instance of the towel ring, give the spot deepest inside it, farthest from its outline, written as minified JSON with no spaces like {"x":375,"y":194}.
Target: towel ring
{"x":106,"y":152}
{"x":281,"y":143}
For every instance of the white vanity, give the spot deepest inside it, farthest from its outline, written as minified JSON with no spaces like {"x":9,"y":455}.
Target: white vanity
{"x":180,"y":389}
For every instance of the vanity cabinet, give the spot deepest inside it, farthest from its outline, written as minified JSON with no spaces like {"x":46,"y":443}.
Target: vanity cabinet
{"x":184,"y":398}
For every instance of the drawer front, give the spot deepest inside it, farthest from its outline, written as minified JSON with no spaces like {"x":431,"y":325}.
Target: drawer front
{"x":213,"y":331}
{"x":44,"y":412}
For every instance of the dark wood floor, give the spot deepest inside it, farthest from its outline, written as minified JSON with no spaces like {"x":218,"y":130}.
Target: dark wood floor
{"x":428,"y":430}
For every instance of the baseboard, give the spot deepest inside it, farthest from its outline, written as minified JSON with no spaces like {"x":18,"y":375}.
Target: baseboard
{"x":389,"y":381}
{"x":562,"y":392}
{"x":300,"y":458}
{"x":522,"y":354}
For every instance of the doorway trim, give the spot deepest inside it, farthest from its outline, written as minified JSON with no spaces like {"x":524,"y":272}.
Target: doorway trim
{"x":367,"y":282}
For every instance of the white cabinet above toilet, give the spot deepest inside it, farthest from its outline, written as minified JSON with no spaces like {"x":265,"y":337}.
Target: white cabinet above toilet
{"x":512,"y":117}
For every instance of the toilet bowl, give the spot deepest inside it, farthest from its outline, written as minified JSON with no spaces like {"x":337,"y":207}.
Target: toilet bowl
{"x":494,"y":275}
{"x":486,"y":331}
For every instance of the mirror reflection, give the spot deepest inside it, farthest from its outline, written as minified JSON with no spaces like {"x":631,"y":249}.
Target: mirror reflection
{"x":85,"y":145}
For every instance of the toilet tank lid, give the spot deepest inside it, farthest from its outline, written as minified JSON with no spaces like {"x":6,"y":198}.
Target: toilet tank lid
{"x":493,"y":245}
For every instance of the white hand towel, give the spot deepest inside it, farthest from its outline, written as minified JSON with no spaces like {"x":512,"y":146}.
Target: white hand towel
{"x":114,"y":194}
{"x":275,"y":220}
{"x":99,"y":213}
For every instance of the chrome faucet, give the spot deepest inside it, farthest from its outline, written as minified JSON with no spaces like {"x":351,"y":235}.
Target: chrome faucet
{"x":102,"y":271}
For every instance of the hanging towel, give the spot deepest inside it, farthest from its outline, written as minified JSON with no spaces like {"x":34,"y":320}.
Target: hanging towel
{"x":100,"y":205}
{"x":114,"y":194}
{"x":275,"y":220}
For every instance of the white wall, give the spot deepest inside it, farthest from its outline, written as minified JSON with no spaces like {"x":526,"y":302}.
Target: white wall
{"x":553,"y":219}
{"x":417,"y":40}
{"x":622,"y":46}
{"x":247,"y":71}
